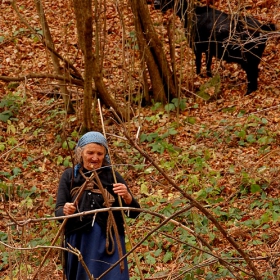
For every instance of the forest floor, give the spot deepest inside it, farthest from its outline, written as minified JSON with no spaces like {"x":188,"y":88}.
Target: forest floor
{"x":225,"y":153}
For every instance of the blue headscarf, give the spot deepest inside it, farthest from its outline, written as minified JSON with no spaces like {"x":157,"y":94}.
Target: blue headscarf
{"x":91,"y":137}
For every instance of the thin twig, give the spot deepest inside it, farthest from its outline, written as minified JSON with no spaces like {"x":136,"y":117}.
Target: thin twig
{"x":90,"y":212}
{"x":11,"y":149}
{"x":72,"y":250}
{"x":165,"y":220}
{"x":81,"y":260}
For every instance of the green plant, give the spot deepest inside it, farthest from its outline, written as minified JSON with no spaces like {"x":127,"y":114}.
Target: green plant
{"x":65,"y":161}
{"x":176,"y":103}
{"x":8,"y":189}
{"x":158,"y":144}
{"x":4,"y":258}
{"x":131,"y":41}
{"x":215,"y":83}
{"x":11,"y":104}
{"x":254,"y":131}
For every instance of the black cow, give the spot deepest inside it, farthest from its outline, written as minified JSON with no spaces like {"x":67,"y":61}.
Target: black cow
{"x":233,"y":38}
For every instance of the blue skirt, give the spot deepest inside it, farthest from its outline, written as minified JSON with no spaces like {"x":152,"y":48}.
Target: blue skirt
{"x":91,"y":244}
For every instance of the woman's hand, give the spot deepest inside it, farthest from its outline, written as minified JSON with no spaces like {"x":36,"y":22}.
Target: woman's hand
{"x":121,"y":190}
{"x":69,"y":208}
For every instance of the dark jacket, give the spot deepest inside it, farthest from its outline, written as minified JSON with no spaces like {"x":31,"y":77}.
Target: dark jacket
{"x":90,"y":200}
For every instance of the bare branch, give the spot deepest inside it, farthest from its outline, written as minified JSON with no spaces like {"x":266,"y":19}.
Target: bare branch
{"x":40,"y":76}
{"x":195,"y":203}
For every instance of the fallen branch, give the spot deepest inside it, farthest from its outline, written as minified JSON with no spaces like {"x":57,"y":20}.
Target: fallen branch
{"x":42,"y":76}
{"x":72,"y":250}
{"x":195,"y":203}
{"x":165,"y":220}
{"x":90,"y":212}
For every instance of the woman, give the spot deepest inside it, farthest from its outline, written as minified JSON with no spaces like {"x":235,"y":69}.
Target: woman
{"x":91,"y":234}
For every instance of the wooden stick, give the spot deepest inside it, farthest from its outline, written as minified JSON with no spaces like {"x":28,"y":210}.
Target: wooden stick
{"x":119,"y":199}
{"x":115,"y":181}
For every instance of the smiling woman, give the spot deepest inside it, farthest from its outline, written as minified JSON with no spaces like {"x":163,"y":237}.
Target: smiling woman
{"x":95,"y":236}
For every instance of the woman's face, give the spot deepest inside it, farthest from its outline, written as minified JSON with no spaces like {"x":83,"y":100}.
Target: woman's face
{"x":93,"y":156}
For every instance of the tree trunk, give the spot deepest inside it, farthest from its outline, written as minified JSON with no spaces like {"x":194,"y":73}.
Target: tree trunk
{"x":84,"y":18}
{"x":49,"y":42}
{"x":83,"y":13}
{"x":152,"y":49}
{"x":157,"y":84}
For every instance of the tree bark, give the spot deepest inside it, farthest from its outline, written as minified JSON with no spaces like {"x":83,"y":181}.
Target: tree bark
{"x":152,"y":49}
{"x":84,"y":18}
{"x":146,"y":53}
{"x":83,"y":13}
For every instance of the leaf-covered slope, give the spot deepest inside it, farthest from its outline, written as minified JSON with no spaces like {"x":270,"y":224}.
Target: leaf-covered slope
{"x":224,"y":153}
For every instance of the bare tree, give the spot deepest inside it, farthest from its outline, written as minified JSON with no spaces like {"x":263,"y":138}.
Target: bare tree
{"x":83,"y":12}
{"x":64,"y":69}
{"x":152,"y":50}
{"x":84,"y":18}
